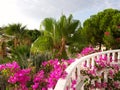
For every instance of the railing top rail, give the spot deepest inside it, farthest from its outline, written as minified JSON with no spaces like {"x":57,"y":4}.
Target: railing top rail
{"x":62,"y":82}
{"x":82,"y":59}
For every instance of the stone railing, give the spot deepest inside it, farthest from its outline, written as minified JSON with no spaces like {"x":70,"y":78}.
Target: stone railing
{"x":73,"y":70}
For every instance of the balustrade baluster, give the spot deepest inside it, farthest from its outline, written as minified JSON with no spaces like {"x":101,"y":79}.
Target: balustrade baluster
{"x":88,"y":62}
{"x":69,"y":83}
{"x":93,"y":62}
{"x":98,"y":57}
{"x":105,"y":76}
{"x":119,"y":57}
{"x":78,"y":72}
{"x":108,"y":57}
{"x":113,"y":57}
{"x":73,"y":76}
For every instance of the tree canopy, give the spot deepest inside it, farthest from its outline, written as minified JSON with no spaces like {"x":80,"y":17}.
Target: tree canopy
{"x":95,"y":26}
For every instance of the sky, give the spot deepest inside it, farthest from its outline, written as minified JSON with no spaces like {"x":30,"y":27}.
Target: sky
{"x":32,"y":12}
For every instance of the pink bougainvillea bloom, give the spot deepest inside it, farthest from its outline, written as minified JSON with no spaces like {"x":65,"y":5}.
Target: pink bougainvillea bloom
{"x":35,"y":86}
{"x":13,"y":65}
{"x":64,"y":74}
{"x":104,"y":84}
{"x":44,"y":88}
{"x":49,"y":79}
{"x":2,"y":66}
{"x":87,"y":51}
{"x":107,"y":33}
{"x":98,"y":85}
{"x":92,"y":71}
{"x":79,"y":55}
{"x":111,"y":73}
{"x":85,"y":64}
{"x":116,"y":67}
{"x":116,"y":84}
{"x":73,"y":86}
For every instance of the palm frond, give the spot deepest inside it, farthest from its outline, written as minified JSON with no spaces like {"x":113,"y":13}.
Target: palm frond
{"x":42,"y":44}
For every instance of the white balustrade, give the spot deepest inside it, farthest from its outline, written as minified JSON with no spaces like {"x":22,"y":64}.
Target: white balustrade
{"x":73,"y":70}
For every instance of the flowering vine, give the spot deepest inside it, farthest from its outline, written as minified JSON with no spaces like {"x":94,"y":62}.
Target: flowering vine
{"x":97,"y":80}
{"x":49,"y":74}
{"x":15,"y":76}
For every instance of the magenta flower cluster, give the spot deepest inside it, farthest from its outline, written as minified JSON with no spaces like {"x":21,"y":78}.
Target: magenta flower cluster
{"x":16,"y":75}
{"x":13,"y":67}
{"x":86,"y":51}
{"x":101,"y":64}
{"x":51,"y":71}
{"x":46,"y":78}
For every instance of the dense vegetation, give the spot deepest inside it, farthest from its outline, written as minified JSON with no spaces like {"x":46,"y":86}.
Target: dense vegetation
{"x":62,"y":39}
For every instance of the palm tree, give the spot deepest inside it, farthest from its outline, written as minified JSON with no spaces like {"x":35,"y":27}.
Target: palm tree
{"x":57,"y":36}
{"x":13,"y":29}
{"x":17,"y":31}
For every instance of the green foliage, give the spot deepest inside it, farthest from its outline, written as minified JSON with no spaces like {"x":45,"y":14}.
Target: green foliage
{"x":117,"y":76}
{"x":108,"y":39}
{"x":5,"y":60}
{"x":21,"y":54}
{"x":43,"y":43}
{"x":79,"y":42}
{"x":31,"y":34}
{"x":95,"y":27}
{"x":15,"y":29}
{"x":37,"y":60}
{"x":57,"y":35}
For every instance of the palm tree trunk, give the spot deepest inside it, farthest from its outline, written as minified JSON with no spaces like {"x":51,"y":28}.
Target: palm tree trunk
{"x":62,"y":50}
{"x":3,"y":49}
{"x":100,"y":46}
